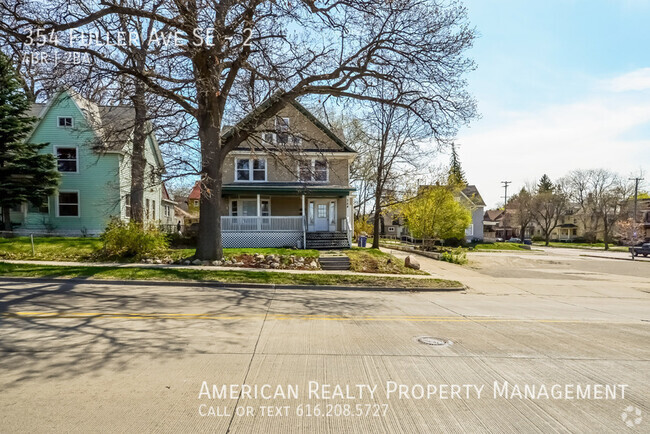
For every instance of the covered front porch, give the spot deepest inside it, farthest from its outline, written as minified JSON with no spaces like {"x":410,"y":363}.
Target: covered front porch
{"x":283,"y":218}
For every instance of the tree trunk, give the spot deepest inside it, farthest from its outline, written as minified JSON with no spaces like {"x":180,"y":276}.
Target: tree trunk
{"x":209,"y":245}
{"x":377,"y":219}
{"x":6,"y":218}
{"x":547,"y":238}
{"x":138,"y":160}
{"x":605,"y":234}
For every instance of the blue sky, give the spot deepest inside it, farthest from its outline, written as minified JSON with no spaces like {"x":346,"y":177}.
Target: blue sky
{"x":560,"y":85}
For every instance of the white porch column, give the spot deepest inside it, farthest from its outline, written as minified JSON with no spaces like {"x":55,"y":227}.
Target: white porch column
{"x":304,"y":223}
{"x":259,"y":213}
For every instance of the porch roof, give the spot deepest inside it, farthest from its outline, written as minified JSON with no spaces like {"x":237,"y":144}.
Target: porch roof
{"x":287,"y":189}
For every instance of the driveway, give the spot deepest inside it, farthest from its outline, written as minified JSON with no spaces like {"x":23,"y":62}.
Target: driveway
{"x":98,"y":357}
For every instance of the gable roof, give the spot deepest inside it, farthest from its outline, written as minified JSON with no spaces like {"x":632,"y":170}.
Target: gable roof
{"x":112,"y":125}
{"x":493,"y":214}
{"x":266,"y":104}
{"x":196,"y":191}
{"x":471,"y":193}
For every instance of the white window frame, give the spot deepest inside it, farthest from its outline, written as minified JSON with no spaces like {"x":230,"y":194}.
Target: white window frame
{"x":391,"y":228}
{"x":166,"y":210}
{"x":58,"y":122}
{"x":78,"y":204}
{"x":57,"y":147}
{"x":196,"y":202}
{"x":240,"y":206}
{"x":251,"y":170}
{"x":313,"y":170}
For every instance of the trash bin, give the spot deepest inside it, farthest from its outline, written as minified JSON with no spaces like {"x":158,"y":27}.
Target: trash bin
{"x":361,"y":242}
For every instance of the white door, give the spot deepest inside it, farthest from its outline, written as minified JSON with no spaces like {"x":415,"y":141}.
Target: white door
{"x":318,"y":215}
{"x":321,"y":222}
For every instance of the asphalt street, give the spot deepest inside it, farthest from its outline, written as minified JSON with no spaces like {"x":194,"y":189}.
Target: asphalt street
{"x":87,"y":357}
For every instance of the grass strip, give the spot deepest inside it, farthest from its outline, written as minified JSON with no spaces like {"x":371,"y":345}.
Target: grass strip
{"x":222,"y":276}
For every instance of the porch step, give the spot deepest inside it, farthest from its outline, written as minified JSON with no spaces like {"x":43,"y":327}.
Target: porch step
{"x":334,"y":262}
{"x":327,"y":240}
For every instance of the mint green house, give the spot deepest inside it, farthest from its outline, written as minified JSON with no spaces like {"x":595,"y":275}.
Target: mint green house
{"x":92,"y":146}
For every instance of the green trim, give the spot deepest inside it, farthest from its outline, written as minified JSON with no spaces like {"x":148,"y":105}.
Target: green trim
{"x":288,"y":190}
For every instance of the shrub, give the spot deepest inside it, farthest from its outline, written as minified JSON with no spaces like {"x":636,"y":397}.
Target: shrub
{"x":456,"y":256}
{"x":537,"y":238}
{"x":129,"y":240}
{"x":361,"y":225}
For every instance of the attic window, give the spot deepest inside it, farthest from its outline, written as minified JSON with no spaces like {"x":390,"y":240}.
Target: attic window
{"x":65,"y":122}
{"x":282,"y":130}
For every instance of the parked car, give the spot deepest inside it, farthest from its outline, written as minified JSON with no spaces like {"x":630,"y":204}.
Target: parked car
{"x":514,"y":240}
{"x":498,"y":240}
{"x":643,"y":249}
{"x":528,"y":242}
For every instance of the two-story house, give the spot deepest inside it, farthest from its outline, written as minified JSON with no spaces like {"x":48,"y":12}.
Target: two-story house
{"x":92,"y":148}
{"x":288,"y":185}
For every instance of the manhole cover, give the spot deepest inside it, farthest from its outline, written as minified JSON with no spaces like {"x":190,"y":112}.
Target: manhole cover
{"x":429,"y":340}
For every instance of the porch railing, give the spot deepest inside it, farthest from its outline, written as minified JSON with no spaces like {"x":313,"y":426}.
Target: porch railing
{"x":268,"y":223}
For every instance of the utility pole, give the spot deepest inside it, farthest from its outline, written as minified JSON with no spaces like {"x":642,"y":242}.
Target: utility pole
{"x":636,"y":193}
{"x":505,"y":195}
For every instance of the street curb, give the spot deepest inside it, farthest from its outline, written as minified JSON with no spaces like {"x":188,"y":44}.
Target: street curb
{"x":215,"y":284}
{"x":612,"y":257}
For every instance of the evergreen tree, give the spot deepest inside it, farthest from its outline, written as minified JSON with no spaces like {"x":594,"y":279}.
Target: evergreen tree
{"x":456,"y":175}
{"x":545,"y":185}
{"x":25,"y":175}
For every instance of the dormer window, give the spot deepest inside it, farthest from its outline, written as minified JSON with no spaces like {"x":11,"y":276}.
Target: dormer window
{"x":65,"y":122}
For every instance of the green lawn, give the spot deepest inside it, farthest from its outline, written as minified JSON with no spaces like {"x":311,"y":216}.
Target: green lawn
{"x":589,"y":246}
{"x":179,"y":274}
{"x":375,"y":261}
{"x":80,"y":249}
{"x":499,"y":246}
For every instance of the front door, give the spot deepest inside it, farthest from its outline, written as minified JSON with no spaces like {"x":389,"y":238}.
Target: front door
{"x":318,"y":214}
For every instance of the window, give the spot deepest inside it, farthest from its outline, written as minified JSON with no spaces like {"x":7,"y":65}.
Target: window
{"x":269,"y":138}
{"x":196,"y":202}
{"x":304,"y":170}
{"x":66,"y":159}
{"x":248,"y":207}
{"x":42,"y":209}
{"x":320,"y":170}
{"x":313,"y":170}
{"x":321,"y":211}
{"x":282,"y":130}
{"x":65,"y":122}
{"x":250,"y":170}
{"x":68,"y":204}
{"x":332,"y":214}
{"x":127,"y":205}
{"x":153,"y":209}
{"x":391,"y":229}
{"x":167,"y":210}
{"x":147,"y":208}
{"x":311,"y":212}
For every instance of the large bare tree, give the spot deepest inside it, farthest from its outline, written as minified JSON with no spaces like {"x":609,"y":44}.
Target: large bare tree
{"x":220,"y":59}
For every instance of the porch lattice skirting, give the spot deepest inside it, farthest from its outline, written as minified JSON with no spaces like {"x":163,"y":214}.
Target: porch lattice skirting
{"x":262,"y":239}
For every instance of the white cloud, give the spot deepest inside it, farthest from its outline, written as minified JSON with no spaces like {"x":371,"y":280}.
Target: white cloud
{"x":635,"y":80}
{"x":602,"y":131}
